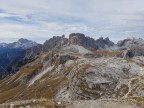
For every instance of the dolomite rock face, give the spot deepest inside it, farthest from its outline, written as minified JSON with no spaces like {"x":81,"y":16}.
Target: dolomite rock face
{"x":55,"y":58}
{"x":106,"y":78}
{"x":87,"y":42}
{"x":131,"y":42}
{"x":73,"y":40}
{"x":133,"y":46}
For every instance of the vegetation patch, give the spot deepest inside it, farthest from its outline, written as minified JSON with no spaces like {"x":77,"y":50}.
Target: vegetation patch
{"x":122,"y":90}
{"x":30,"y":70}
{"x":10,"y":94}
{"x":139,"y":101}
{"x":104,"y":53}
{"x":45,"y":89}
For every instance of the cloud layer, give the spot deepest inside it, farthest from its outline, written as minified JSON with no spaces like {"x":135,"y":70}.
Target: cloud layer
{"x":41,"y":19}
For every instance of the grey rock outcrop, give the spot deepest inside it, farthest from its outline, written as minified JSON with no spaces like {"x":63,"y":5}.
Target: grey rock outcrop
{"x":132,"y":47}
{"x":131,"y":42}
{"x":54,"y":58}
{"x":55,"y":42}
{"x":81,"y":39}
{"x":105,"y":78}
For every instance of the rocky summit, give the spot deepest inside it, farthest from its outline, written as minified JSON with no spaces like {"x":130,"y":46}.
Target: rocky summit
{"x":79,"y":72}
{"x":81,"y":39}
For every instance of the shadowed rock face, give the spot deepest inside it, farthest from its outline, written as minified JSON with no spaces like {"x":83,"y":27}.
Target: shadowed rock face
{"x":56,"y":41}
{"x":53,"y":43}
{"x":81,"y":39}
{"x":12,"y":55}
{"x":10,"y":60}
{"x":74,"y":39}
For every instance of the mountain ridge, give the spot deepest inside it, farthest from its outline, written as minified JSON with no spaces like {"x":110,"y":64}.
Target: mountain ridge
{"x":29,"y":53}
{"x":21,"y":44}
{"x":65,"y":75}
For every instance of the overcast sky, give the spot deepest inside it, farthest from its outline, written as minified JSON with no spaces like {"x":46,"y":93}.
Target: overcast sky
{"x":41,"y":19}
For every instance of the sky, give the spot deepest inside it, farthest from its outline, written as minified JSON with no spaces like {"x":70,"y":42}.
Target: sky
{"x":39,"y":20}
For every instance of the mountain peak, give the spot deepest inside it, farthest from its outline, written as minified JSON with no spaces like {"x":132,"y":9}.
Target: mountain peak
{"x":107,"y":38}
{"x":22,"y":40}
{"x":100,"y":38}
{"x":3,"y":44}
{"x":21,"y":44}
{"x":24,"y":43}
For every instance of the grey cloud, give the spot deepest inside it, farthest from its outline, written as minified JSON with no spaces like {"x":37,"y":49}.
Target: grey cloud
{"x":113,"y":18}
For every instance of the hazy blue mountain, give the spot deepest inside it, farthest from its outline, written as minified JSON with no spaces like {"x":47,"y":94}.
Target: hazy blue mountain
{"x":12,"y":55}
{"x":21,"y":43}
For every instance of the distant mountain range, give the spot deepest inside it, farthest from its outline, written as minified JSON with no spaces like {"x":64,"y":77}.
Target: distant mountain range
{"x":21,"y":44}
{"x":87,"y":42}
{"x":12,"y":54}
{"x":68,"y":70}
{"x":16,"y":54}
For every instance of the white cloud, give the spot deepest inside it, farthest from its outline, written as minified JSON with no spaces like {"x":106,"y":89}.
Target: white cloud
{"x":41,"y":19}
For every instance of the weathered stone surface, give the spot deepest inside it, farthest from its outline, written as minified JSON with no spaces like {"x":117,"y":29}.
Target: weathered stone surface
{"x":73,"y":40}
{"x":134,"y":47}
{"x":105,"y":78}
{"x":81,"y":39}
{"x":131,"y":42}
{"x":56,"y":42}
